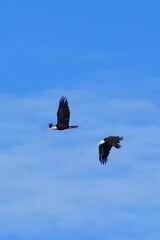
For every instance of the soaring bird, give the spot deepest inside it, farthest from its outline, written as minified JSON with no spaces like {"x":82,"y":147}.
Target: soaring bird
{"x":105,"y":146}
{"x":63,"y":116}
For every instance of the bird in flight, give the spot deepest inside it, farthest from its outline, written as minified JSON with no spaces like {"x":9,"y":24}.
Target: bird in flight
{"x":63,"y":116}
{"x":105,"y":146}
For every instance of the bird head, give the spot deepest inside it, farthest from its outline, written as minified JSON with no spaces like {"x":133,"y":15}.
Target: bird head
{"x":52,"y":127}
{"x":101,"y":142}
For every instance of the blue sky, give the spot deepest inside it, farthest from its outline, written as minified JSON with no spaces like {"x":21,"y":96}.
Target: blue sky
{"x":104,"y":56}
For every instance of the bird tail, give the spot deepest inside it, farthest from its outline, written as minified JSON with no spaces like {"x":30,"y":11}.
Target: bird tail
{"x":73,"y":127}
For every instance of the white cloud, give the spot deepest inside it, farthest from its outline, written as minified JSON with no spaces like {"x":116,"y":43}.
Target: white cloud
{"x":48,"y":177}
{"x":153,"y":84}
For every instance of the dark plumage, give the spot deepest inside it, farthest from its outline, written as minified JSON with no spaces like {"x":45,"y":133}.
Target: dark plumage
{"x":105,"y":146}
{"x":63,"y":116}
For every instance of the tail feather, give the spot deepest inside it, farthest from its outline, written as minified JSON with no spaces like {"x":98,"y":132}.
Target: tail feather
{"x":73,"y":127}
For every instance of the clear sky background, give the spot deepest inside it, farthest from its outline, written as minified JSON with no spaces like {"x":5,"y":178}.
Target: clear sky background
{"x":105,"y":57}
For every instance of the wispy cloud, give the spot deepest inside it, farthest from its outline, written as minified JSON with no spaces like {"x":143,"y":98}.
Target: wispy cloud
{"x":54,"y":181}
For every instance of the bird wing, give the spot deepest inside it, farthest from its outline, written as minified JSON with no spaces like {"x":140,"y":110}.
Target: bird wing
{"x":63,"y":113}
{"x":104,"y":150}
{"x":114,"y":141}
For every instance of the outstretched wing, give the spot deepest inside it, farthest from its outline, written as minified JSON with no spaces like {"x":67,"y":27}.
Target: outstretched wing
{"x":104,"y":150}
{"x":63,"y":113}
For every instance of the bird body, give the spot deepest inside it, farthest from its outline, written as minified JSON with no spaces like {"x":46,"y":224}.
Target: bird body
{"x":105,"y":146}
{"x":63,"y":116}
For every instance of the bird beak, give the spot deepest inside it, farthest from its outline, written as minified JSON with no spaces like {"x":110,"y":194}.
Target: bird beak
{"x":101,"y":142}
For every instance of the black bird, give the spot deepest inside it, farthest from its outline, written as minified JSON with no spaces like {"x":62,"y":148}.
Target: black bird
{"x":63,"y":116}
{"x":105,"y":146}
